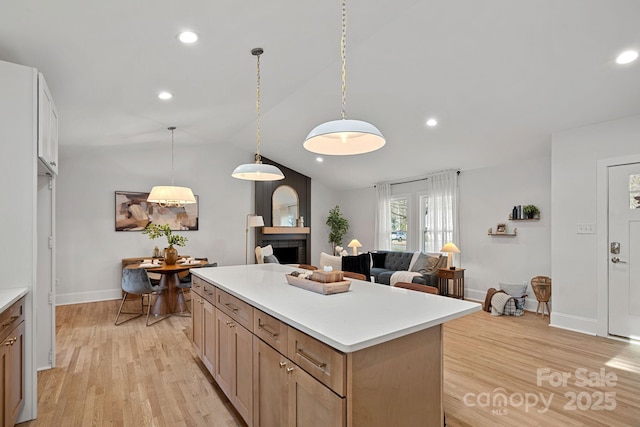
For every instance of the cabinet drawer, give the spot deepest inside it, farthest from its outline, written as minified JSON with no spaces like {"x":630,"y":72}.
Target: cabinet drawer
{"x":208,"y":292}
{"x":237,"y":309}
{"x":196,"y":285}
{"x":11,"y":317}
{"x":271,"y":330}
{"x":323,"y":362}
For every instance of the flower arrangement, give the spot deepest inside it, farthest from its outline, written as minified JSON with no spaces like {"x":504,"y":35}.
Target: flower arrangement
{"x":154,"y":231}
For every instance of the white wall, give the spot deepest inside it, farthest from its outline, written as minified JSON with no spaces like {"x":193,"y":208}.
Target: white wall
{"x":89,"y":251}
{"x":574,"y":163}
{"x":322,"y":199}
{"x":487,"y":197}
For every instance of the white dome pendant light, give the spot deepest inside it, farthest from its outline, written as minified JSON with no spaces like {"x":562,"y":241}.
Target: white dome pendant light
{"x":344,"y":137}
{"x":257,"y":171}
{"x":170,"y":195}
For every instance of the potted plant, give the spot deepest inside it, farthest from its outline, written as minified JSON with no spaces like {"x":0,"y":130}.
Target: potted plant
{"x":530,"y":211}
{"x":338,"y":226}
{"x":171,"y":254}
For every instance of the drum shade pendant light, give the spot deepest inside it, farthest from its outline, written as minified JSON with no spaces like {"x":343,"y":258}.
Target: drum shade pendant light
{"x":257,"y":171}
{"x":170,"y":195}
{"x":344,"y":137}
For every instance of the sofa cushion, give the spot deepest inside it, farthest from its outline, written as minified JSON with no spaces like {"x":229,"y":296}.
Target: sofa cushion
{"x":398,"y":261}
{"x":357,"y":264}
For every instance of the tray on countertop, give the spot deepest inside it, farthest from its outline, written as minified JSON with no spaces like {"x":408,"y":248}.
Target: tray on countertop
{"x":319,"y":287}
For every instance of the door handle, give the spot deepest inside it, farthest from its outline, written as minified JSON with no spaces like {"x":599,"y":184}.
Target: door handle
{"x":617,"y":260}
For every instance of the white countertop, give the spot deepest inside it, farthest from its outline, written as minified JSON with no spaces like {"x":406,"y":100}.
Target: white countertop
{"x":366,"y":315}
{"x":9,"y":296}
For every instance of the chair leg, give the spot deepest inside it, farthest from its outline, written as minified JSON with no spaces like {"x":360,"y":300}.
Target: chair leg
{"x":124,"y":298}
{"x":149,"y":312}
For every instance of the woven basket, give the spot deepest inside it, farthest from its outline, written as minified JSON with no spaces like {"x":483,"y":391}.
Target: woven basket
{"x":541,"y":286}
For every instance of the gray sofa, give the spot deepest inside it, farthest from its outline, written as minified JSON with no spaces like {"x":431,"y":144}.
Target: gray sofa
{"x":385,"y":263}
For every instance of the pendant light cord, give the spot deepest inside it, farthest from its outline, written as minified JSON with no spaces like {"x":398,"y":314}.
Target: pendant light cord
{"x":343,"y":55}
{"x":172,"y":128}
{"x":258,"y":157}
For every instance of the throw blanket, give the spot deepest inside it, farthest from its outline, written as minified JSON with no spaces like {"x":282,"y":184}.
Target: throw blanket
{"x":503,"y":303}
{"x":403,"y":276}
{"x":487,"y":299}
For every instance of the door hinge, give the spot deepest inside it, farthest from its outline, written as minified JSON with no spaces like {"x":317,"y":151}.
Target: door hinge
{"x":50,"y":242}
{"x":50,"y":182}
{"x":50,"y":357}
{"x":51,"y":298}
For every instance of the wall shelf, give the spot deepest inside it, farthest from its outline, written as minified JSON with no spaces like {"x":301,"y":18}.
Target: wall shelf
{"x":525,"y":219}
{"x":503,"y":234}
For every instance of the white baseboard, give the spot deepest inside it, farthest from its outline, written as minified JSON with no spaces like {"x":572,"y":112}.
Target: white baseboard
{"x":93,"y":296}
{"x":574,"y":323}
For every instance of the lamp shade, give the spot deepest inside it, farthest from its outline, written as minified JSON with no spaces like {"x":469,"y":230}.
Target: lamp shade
{"x":257,"y":172}
{"x":450,"y":247}
{"x":169,"y":195}
{"x":355,"y":244}
{"x":256,"y":221}
{"x":344,"y":137}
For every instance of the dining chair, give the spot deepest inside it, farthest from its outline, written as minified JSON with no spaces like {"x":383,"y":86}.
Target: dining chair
{"x":352,"y":275}
{"x":136,"y":282}
{"x":417,"y":287}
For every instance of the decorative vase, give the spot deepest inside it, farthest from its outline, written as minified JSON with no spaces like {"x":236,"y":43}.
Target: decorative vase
{"x":170,"y":255}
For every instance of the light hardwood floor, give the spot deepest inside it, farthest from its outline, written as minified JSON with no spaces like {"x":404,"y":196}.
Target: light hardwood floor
{"x":133,"y":375}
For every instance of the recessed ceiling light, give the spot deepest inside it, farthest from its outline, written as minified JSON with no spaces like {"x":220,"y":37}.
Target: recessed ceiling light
{"x":626,"y":57}
{"x":319,"y":159}
{"x":432,"y":122}
{"x":165,"y":95}
{"x":188,"y":37}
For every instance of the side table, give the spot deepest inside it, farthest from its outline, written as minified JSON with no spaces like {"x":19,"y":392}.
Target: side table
{"x":457,"y":276}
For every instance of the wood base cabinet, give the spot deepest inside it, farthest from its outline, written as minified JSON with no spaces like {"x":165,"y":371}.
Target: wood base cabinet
{"x":203,"y":321}
{"x":12,"y":393}
{"x":285,"y":395}
{"x":234,"y":364}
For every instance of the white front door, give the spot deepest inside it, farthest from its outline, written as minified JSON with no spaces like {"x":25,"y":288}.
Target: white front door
{"x":624,"y":250}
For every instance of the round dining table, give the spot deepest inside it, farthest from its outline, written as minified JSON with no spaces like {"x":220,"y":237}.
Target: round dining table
{"x":172,"y":300}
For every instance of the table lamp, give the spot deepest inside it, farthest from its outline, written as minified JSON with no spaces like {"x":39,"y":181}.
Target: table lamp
{"x":450,"y":249}
{"x":252,"y":221}
{"x":355,"y":245}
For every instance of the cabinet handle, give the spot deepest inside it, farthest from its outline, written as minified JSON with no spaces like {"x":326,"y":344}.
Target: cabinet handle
{"x":207,"y":291}
{"x":283,"y":364}
{"x":230,"y":324}
{"x":231,"y":307}
{"x":310,"y":359}
{"x":264,"y":328}
{"x":289,"y":370}
{"x":13,"y":319}
{"x":11,"y":341}
{"x":52,"y":163}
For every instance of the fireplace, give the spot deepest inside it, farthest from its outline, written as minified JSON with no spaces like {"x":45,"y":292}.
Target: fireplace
{"x":288,"y":251}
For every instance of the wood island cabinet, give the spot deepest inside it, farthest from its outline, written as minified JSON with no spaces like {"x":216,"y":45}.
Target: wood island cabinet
{"x":12,"y":334}
{"x":203,"y":318}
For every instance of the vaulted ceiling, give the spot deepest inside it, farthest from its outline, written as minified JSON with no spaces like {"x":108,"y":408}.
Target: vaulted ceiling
{"x":499,"y":75}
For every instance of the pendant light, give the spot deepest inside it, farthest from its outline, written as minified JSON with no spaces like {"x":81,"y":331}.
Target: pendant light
{"x":170,"y":195}
{"x":257,"y":171}
{"x":344,"y":137}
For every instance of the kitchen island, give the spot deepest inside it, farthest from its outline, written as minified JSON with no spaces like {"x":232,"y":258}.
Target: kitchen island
{"x":288,"y":356}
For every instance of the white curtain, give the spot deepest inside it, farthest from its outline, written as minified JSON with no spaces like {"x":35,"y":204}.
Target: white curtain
{"x":382,"y":237}
{"x":442,"y":211}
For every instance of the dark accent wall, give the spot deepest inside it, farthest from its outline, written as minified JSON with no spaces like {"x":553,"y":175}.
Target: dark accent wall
{"x":264,"y":192}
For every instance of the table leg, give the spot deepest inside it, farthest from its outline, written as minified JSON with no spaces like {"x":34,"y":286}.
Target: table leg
{"x":171,"y":300}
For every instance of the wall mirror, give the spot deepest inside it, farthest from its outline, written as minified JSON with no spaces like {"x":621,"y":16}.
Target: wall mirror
{"x":284,"y":206}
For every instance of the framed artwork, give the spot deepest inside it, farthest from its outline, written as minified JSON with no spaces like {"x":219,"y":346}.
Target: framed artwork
{"x":134,"y":213}
{"x":502,"y":229}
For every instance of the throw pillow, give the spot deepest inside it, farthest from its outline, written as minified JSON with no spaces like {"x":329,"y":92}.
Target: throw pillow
{"x":271,"y":259}
{"x":516,"y":290}
{"x":357,"y":264}
{"x":424,"y":263}
{"x":335,"y":262}
{"x":267,"y":250}
{"x":378,"y":259}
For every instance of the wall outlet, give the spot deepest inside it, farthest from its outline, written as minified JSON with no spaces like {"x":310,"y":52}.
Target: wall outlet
{"x":586,"y":229}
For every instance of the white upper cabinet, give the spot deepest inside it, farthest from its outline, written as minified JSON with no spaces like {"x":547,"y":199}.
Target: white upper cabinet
{"x":47,"y":127}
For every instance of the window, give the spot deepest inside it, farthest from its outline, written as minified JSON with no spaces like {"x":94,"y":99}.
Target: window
{"x":398,"y":207}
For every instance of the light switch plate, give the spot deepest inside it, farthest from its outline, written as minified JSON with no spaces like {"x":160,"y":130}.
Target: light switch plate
{"x":586,"y":229}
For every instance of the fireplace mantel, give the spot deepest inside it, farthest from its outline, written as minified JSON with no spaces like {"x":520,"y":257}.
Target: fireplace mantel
{"x":286,"y":230}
